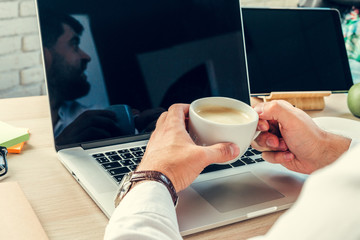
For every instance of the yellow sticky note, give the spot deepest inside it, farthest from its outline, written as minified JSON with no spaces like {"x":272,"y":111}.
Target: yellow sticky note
{"x":10,"y":135}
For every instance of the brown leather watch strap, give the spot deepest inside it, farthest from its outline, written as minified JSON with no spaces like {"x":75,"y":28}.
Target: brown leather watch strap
{"x":138,"y":176}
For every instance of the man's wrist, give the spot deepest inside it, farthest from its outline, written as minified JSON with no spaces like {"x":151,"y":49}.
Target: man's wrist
{"x":130,"y":180}
{"x":336,"y":146}
{"x":157,"y":176}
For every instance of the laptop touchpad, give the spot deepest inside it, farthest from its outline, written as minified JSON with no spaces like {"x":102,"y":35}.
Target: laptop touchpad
{"x":236,"y":191}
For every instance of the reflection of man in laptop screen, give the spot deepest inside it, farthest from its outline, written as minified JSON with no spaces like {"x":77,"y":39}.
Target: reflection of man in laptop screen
{"x":65,"y":65}
{"x":65,"y":61}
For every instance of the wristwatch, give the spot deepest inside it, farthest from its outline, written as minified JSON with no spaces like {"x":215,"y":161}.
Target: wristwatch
{"x":130,"y":178}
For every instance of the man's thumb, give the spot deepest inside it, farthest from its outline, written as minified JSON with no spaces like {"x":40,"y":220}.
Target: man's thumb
{"x":223,"y":152}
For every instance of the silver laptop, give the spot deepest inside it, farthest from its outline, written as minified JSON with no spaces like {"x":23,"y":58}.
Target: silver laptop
{"x":110,"y":74}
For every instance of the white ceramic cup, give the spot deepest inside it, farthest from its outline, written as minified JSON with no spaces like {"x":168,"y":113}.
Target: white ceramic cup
{"x":206,"y":132}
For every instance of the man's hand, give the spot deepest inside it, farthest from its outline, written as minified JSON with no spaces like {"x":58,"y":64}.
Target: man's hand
{"x":290,"y":137}
{"x":145,"y":121}
{"x":171,"y":150}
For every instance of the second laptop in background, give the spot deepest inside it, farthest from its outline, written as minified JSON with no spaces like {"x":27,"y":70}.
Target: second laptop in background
{"x":295,"y":50}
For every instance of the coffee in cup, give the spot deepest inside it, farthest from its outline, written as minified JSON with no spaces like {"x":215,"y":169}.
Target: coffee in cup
{"x":223,"y":115}
{"x":219,"y":119}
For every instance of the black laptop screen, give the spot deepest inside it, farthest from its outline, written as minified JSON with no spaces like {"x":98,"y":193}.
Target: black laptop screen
{"x":295,"y":50}
{"x":112,"y":67}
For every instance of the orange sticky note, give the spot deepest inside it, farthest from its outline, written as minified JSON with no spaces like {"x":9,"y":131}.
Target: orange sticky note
{"x":16,"y":148}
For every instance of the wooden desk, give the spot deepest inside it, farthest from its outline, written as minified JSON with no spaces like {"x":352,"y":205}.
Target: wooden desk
{"x":63,"y":207}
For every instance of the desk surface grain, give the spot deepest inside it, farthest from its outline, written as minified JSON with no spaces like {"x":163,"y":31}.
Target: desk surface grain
{"x":63,"y":207}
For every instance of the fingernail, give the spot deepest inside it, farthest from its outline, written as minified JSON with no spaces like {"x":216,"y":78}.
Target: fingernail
{"x":259,"y":108}
{"x":234,"y":149}
{"x":270,"y":142}
{"x":262,"y":127}
{"x":282,"y":145}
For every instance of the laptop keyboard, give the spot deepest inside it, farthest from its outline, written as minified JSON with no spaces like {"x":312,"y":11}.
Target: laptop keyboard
{"x":118,"y":163}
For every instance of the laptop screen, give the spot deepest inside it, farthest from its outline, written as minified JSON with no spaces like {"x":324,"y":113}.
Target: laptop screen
{"x":295,"y":50}
{"x":113,"y":67}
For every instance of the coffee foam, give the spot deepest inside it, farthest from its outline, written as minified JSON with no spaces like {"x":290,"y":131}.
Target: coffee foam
{"x":223,"y":115}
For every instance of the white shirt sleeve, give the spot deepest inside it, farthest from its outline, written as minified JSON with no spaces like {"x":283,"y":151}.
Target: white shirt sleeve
{"x":328,"y":206}
{"x":354,"y":143}
{"x":146,"y":212}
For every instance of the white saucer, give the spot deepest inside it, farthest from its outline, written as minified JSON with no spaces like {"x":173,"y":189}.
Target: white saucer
{"x":342,"y":126}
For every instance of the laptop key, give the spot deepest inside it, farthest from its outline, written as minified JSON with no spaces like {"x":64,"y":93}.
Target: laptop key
{"x":123,"y":151}
{"x":256,"y":151}
{"x":115,"y":158}
{"x":133,"y":167}
{"x":136,"y":160}
{"x":259,"y":160}
{"x":102,"y":160}
{"x":135,"y":149}
{"x":118,"y":178}
{"x":126,"y":162}
{"x":117,"y":171}
{"x":111,"y":153}
{"x":248,"y":160}
{"x":138,"y":154}
{"x":98,"y":155}
{"x":238,"y":163}
{"x":126,"y":156}
{"x":215,"y":167}
{"x":248,"y":153}
{"x":111,"y":165}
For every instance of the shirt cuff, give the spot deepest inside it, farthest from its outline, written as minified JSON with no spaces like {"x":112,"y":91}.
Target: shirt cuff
{"x":148,"y":203}
{"x":354,"y":143}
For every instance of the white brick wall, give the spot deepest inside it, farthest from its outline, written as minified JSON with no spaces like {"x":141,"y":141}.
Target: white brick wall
{"x":9,"y":45}
{"x":30,"y":43}
{"x":27,"y":8}
{"x":21,"y":71}
{"x":8,"y":10}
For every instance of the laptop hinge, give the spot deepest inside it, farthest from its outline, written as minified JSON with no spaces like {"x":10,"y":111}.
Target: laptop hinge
{"x":115,"y":141}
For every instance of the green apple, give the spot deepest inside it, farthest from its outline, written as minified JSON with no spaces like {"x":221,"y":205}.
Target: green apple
{"x":353,"y":99}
